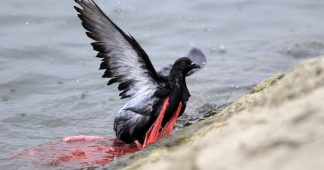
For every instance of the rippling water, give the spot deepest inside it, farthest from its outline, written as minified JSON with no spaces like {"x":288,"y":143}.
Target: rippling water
{"x":50,"y":85}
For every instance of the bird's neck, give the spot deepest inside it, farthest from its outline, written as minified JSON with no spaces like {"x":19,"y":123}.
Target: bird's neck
{"x":178,"y":86}
{"x":176,"y":80}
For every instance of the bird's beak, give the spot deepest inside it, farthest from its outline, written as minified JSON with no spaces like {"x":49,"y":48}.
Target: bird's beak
{"x":193,"y":66}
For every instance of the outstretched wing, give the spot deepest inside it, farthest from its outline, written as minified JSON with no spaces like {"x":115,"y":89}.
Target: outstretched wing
{"x":123,"y":58}
{"x":195,"y":55}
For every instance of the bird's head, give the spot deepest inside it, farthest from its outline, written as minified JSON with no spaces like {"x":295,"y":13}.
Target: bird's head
{"x":184,"y":65}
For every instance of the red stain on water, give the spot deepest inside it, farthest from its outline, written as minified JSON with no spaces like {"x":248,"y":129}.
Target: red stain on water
{"x":78,"y":153}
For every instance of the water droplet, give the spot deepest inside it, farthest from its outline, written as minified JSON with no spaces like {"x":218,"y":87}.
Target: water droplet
{"x":206,"y":29}
{"x":222,"y":49}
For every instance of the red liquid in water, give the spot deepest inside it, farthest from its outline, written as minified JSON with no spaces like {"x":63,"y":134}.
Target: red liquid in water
{"x":79,"y":153}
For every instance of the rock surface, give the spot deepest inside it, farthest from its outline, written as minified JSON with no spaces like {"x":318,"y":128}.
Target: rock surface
{"x":278,"y":126}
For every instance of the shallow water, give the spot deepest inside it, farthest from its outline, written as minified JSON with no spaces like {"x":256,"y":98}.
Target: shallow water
{"x":50,"y":85}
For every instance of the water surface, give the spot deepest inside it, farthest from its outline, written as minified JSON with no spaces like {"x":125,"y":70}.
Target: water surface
{"x":50,"y":85}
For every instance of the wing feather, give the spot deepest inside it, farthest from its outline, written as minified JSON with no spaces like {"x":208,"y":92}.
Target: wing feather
{"x":123,"y":59}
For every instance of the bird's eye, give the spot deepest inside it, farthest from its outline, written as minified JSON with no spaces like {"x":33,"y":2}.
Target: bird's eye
{"x":184,"y":63}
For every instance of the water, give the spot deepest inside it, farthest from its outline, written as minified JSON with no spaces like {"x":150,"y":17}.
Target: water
{"x":50,"y":85}
{"x":76,"y":154}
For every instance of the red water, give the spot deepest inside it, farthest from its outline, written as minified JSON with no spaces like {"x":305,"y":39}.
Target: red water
{"x":78,"y":153}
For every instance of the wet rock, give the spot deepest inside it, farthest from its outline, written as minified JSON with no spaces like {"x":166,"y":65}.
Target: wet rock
{"x":208,"y":110}
{"x":278,"y":126}
{"x":266,"y":83}
{"x":203,"y":112}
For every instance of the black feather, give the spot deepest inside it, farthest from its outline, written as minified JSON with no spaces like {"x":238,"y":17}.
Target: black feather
{"x":123,"y":93}
{"x":124,"y":85}
{"x":99,"y":46}
{"x":101,"y":55}
{"x":91,"y":35}
{"x":107,"y":74}
{"x":103,"y":65}
{"x":112,"y":81}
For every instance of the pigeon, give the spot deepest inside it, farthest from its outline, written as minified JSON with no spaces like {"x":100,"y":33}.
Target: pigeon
{"x":155,"y":98}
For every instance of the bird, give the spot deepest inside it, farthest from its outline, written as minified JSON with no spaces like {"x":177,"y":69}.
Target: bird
{"x":155,"y":98}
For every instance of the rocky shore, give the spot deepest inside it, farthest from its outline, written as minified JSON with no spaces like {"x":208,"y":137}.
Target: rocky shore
{"x":279,"y":125}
